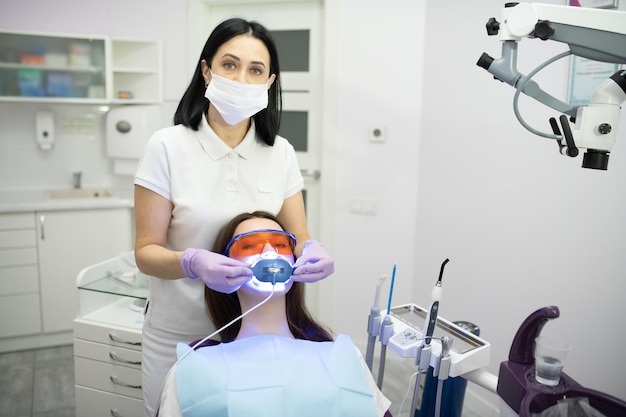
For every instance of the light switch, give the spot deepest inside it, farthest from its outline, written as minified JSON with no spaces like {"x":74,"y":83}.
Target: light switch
{"x":362,"y":206}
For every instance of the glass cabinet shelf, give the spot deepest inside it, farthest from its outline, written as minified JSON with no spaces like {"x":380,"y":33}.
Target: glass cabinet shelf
{"x":66,"y":68}
{"x":109,"y":284}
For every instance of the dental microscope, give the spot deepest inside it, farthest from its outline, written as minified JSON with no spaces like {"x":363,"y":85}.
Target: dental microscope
{"x":596,"y":34}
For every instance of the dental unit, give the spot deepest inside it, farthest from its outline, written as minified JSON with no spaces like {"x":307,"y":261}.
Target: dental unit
{"x":452,"y":351}
{"x":411,"y":331}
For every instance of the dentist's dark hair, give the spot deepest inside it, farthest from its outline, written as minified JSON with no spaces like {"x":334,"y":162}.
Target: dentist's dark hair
{"x":224,"y":308}
{"x":194,"y":105}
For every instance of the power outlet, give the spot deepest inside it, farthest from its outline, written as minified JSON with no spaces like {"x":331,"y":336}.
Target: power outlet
{"x":377,"y":134}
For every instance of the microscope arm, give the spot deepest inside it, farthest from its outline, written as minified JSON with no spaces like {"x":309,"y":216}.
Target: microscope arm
{"x":505,"y":69}
{"x":595,"y":34}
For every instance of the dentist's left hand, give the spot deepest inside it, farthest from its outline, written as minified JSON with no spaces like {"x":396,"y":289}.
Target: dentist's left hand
{"x":218,"y":272}
{"x":314,"y":264}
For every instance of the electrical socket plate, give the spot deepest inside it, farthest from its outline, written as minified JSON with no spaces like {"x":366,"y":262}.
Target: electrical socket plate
{"x":377,"y":134}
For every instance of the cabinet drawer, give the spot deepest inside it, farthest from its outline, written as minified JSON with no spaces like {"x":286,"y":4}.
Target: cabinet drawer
{"x":107,"y":377}
{"x":20,"y":315}
{"x":106,"y":353}
{"x":17,"y":221}
{"x":96,"y":403}
{"x":17,"y":238}
{"x":108,"y":335}
{"x":12,"y":257}
{"x":18,"y":279}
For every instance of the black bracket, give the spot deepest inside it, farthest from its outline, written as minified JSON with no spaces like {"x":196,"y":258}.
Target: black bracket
{"x":570,"y":147}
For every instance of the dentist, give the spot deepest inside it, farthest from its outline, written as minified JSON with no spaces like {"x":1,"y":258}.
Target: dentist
{"x":222,"y":157}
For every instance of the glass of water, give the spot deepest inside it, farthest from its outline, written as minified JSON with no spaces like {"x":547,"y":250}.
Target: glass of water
{"x":550,"y":355}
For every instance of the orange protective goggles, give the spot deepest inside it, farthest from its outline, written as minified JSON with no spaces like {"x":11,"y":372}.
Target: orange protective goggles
{"x":253,"y":243}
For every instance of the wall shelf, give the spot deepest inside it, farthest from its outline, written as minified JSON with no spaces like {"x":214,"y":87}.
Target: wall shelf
{"x":55,"y":68}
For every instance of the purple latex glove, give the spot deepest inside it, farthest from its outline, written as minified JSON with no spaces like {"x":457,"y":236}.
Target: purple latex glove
{"x":218,"y":272}
{"x":314,"y":264}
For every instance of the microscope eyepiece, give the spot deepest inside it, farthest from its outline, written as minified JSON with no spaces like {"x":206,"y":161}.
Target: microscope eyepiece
{"x":484,"y":61}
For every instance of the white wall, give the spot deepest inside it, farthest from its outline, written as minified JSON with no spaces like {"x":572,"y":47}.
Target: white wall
{"x":459,"y":178}
{"x":376,"y":77}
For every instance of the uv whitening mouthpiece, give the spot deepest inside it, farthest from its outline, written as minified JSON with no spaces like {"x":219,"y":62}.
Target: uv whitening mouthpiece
{"x":272,"y":270}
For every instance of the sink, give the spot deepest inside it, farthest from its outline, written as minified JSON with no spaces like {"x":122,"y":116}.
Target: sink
{"x":74,"y":193}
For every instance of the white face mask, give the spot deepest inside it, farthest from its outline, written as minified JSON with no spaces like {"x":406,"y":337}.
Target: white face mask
{"x":236,"y":101}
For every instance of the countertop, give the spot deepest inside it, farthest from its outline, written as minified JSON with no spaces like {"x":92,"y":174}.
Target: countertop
{"x":20,"y":200}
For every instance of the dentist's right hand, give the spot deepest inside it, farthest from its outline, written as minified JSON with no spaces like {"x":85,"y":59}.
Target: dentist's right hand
{"x":218,"y":272}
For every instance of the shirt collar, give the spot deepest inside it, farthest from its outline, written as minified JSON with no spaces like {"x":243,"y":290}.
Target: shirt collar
{"x":216,"y":148}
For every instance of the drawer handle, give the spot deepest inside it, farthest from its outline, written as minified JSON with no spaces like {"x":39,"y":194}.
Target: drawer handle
{"x":126,"y":342}
{"x":42,"y":220}
{"x":118,"y":359}
{"x":115,"y":413}
{"x":123,"y":384}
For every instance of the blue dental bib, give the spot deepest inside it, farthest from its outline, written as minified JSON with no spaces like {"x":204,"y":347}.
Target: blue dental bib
{"x":274,"y":376}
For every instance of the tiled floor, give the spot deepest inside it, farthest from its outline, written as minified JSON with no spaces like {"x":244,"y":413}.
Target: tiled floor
{"x":37,"y":383}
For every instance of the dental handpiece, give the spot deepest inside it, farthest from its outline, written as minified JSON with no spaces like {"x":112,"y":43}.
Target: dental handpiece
{"x":373,"y":324}
{"x":435,"y":298}
{"x":386,"y":331}
{"x":422,"y":359}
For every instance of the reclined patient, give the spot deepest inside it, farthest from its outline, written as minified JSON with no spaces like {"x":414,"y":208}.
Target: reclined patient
{"x":276,"y":360}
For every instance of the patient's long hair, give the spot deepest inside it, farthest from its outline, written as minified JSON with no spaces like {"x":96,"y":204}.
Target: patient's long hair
{"x":223,"y":308}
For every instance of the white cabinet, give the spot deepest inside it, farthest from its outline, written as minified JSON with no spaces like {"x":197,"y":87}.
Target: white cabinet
{"x":107,"y":342}
{"x":67,"y":242}
{"x":41,"y":253}
{"x":135,"y":71}
{"x":78,"y":69}
{"x":19,"y":282}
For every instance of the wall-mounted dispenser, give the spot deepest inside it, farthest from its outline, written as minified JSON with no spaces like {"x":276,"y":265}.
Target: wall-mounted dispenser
{"x":128,"y":128}
{"x":44,"y":126}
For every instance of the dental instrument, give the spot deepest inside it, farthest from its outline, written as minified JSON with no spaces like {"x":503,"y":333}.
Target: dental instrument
{"x":373,"y":324}
{"x":386,"y":332}
{"x":435,"y":297}
{"x":441,"y":371}
{"x":424,"y":350}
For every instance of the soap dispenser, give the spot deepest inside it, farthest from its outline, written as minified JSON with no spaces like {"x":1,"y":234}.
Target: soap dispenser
{"x":44,"y":125}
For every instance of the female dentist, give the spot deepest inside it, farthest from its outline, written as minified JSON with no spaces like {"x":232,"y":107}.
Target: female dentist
{"x":222,"y":157}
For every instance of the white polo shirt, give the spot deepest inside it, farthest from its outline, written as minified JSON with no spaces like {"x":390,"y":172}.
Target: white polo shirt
{"x":208,"y":183}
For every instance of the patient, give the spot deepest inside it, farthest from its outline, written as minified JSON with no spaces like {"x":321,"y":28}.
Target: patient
{"x":277,"y":360}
